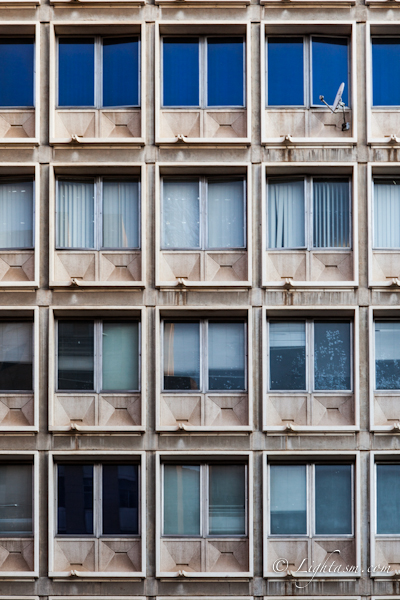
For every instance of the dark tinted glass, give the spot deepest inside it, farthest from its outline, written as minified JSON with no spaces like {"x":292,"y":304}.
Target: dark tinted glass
{"x":287,"y":355}
{"x":120,"y":500}
{"x":288,"y":499}
{"x":76,"y":72}
{"x":388,"y":499}
{"x":75,"y":499}
{"x":181,"y":72}
{"x":15,"y":500}
{"x":225,"y":83}
{"x":16,"y":356}
{"x":121,"y":71}
{"x":332,"y":360}
{"x":16,"y":71}
{"x":330,"y":67}
{"x":227,"y":500}
{"x":75,"y":355}
{"x":387,"y":355}
{"x":285,"y":72}
{"x":386,"y":71}
{"x":333,"y":502}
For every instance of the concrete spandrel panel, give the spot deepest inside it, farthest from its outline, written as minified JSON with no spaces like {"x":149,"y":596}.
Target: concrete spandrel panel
{"x":110,"y":267}
{"x":203,"y":266}
{"x":96,"y":411}
{"x":72,"y":125}
{"x":222,"y":125}
{"x":17,"y":124}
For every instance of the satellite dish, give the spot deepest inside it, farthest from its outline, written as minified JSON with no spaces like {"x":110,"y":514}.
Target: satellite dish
{"x":338,"y":97}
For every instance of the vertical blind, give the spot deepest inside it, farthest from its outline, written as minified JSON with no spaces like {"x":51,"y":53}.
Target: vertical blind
{"x":181,"y":499}
{"x":75,"y":214}
{"x":16,"y":214}
{"x":387,"y":213}
{"x":225,"y":214}
{"x":120,"y":214}
{"x":286,"y":214}
{"x":331,"y":221}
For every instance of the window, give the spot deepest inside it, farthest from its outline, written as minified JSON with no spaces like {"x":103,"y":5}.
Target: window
{"x":204,"y":355}
{"x":16,"y":500}
{"x":388,"y":498}
{"x":327,"y":363}
{"x":203,"y":71}
{"x":385,"y":71}
{"x":96,"y":355}
{"x":16,"y":356}
{"x":203,"y":212}
{"x":16,"y":213}
{"x":98,"y":499}
{"x":311,"y":499}
{"x":191,"y":511}
{"x":98,"y":71}
{"x":300,"y":68}
{"x":310,"y":212}
{"x":95,"y":213}
{"x":386,"y":210}
{"x":387,"y":355}
{"x":16,"y":72}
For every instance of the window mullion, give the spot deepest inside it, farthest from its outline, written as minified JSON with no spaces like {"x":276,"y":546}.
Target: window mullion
{"x":97,"y":488}
{"x":311,"y":357}
{"x":311,"y":503}
{"x":204,"y":354}
{"x":98,"y":72}
{"x":98,"y":351}
{"x":203,"y":72}
{"x":307,"y":71}
{"x":205,"y":500}
{"x":204,"y":204}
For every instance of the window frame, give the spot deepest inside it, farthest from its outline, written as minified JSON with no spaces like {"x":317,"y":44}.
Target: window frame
{"x":203,"y":181}
{"x":203,"y":75}
{"x":97,"y":500}
{"x":309,"y":353}
{"x":204,"y":498}
{"x":203,"y":352}
{"x":310,"y":499}
{"x":98,"y":182}
{"x":98,"y":70}
{"x":97,"y":353}
{"x":308,"y":70}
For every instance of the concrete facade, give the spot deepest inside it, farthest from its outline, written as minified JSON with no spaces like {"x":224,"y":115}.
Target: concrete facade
{"x":366,"y":149}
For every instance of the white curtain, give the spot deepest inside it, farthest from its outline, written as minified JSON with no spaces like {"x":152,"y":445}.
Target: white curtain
{"x":120,"y":356}
{"x":120,"y":214}
{"x":331,"y":214}
{"x":387,"y":214}
{"x":181,"y":214}
{"x":286,"y":214}
{"x":226,"y":214}
{"x":16,"y":214}
{"x":75,"y":214}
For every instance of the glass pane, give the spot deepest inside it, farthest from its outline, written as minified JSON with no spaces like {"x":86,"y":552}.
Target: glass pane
{"x":285,"y":72}
{"x":333,"y":502}
{"x":226,"y":356}
{"x":330,"y":68}
{"x":288,"y":497}
{"x":16,"y":502}
{"x":225,"y":72}
{"x":16,"y":356}
{"x":76,"y":72}
{"x":225,"y":214}
{"x":181,"y":214}
{"x":287,"y":356}
{"x":121,"y":71}
{"x":75,"y":355}
{"x":75,"y":499}
{"x":386,"y":71}
{"x":181,"y":72}
{"x":181,"y":500}
{"x":16,"y":72}
{"x":387,"y":355}
{"x":120,"y":356}
{"x":388,"y":499}
{"x":227,"y":505}
{"x":75,"y":214}
{"x":120,"y":214}
{"x":332,"y":356}
{"x":181,"y":356}
{"x":120,"y":500}
{"x":387,"y":213}
{"x":286,"y":226}
{"x":331,"y":219}
{"x":16,"y":214}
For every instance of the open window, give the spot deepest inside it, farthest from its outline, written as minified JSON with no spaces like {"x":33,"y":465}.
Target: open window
{"x":302,"y":63}
{"x":311,"y":514}
{"x":96,"y":94}
{"x":97,"y":523}
{"x":96,"y":224}
{"x":203,"y":381}
{"x":203,"y":226}
{"x":202,"y":84}
{"x":205,"y":515}
{"x":96,"y":371}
